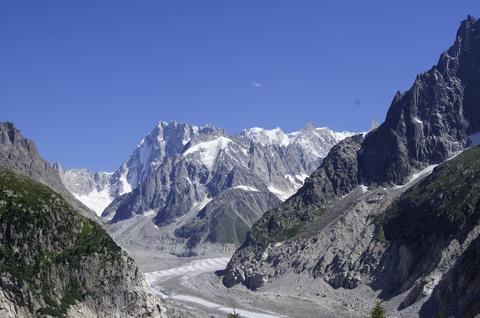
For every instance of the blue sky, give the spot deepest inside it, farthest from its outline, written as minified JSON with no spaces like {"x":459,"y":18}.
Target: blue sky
{"x":88,"y":79}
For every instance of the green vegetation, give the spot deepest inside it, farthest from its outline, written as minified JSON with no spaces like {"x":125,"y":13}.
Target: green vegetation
{"x":234,"y":314}
{"x":71,"y":296}
{"x":290,"y":221}
{"x":377,"y":311}
{"x":441,"y":205}
{"x":42,"y":234}
{"x":91,"y":239}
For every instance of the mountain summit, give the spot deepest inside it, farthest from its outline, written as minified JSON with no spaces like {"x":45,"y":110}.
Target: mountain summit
{"x":218,"y":185}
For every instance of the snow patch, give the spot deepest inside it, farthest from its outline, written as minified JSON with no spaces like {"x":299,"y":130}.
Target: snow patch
{"x":338,"y":135}
{"x":417,"y":175}
{"x":125,"y":187}
{"x":417,"y":120}
{"x":292,"y":180}
{"x":425,"y":171}
{"x":282,"y":195}
{"x":150,"y":213}
{"x":96,"y":200}
{"x":198,"y":206}
{"x":208,"y":151}
{"x":302,"y":177}
{"x":364,"y":188}
{"x":267,"y":137}
{"x":246,"y":188}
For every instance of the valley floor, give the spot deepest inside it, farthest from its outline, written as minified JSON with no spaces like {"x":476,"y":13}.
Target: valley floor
{"x":191,"y":283}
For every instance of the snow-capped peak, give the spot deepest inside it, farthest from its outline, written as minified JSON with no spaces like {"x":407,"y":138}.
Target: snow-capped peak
{"x":208,"y":151}
{"x":338,"y":135}
{"x":208,"y":146}
{"x":267,"y":137}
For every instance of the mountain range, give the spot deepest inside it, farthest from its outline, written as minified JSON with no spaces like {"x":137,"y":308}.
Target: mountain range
{"x":186,"y":188}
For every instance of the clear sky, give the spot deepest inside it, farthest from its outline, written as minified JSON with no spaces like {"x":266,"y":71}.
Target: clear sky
{"x":88,"y":79}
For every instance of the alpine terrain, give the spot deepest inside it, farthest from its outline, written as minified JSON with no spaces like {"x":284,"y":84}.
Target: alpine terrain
{"x":393,"y":213}
{"x":54,"y":261}
{"x":189,"y":189}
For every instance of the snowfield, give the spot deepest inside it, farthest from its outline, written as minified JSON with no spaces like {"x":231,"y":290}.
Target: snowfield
{"x":208,"y":151}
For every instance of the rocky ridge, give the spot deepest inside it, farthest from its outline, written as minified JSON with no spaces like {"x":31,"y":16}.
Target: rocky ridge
{"x":329,"y":228}
{"x":21,"y":155}
{"x":202,"y":186}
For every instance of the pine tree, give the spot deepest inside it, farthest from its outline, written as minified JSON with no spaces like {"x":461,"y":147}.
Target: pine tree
{"x":234,"y":314}
{"x":378,"y":311}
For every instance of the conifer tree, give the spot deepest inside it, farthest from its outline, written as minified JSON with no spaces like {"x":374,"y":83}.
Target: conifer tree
{"x":378,"y":311}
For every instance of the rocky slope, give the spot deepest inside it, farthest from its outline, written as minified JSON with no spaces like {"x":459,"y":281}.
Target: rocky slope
{"x":426,"y":230}
{"x":199,"y":185}
{"x":20,"y":154}
{"x":54,"y":262}
{"x":329,"y":228}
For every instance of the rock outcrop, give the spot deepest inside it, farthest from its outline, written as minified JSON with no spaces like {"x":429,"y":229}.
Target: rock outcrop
{"x":20,"y":154}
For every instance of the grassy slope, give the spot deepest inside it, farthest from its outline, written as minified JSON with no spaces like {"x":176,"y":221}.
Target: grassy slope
{"x":443,"y":205}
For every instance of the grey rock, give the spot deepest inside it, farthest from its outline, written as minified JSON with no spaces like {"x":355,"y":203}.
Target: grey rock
{"x":21,"y":155}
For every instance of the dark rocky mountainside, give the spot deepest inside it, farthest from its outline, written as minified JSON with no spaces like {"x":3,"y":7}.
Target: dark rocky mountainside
{"x":423,"y":226}
{"x":457,"y":294}
{"x":432,"y":120}
{"x":20,"y":154}
{"x":55,"y":262}
{"x":330,"y":228}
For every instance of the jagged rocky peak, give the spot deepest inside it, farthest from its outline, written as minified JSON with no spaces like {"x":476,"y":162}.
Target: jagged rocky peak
{"x":431,"y":121}
{"x":20,"y":155}
{"x":207,"y":146}
{"x":309,"y":137}
{"x":82,"y":181}
{"x":11,"y":136}
{"x":167,"y":139}
{"x":216,"y":176}
{"x":355,"y":221}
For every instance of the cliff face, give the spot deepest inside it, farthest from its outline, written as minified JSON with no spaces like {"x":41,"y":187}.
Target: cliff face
{"x":20,"y":154}
{"x":56,"y":262}
{"x":457,"y":294}
{"x":432,"y":120}
{"x":425,"y":231}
